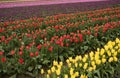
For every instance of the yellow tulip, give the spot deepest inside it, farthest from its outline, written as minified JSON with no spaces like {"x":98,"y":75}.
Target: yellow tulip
{"x":80,"y":57}
{"x":48,"y":76}
{"x":71,"y":71}
{"x":42,"y":71}
{"x":53,"y":69}
{"x":109,"y":53}
{"x":80,"y":65}
{"x":49,"y":72}
{"x":90,"y":69}
{"x":69,"y":65}
{"x":119,"y":45}
{"x":76,"y":74}
{"x":55,"y":63}
{"x":103,"y":60}
{"x":97,"y":53}
{"x":83,"y":76}
{"x":117,"y":40}
{"x":73,"y":61}
{"x":91,"y":58}
{"x":59,"y":66}
{"x":118,"y":50}
{"x":102,"y":51}
{"x":94,"y":67}
{"x":106,"y":47}
{"x":115,"y":53}
{"x":110,"y":59}
{"x":115,"y":59}
{"x":103,"y":56}
{"x":96,"y":56}
{"x":91,"y":54}
{"x":98,"y":49}
{"x":72,"y":76}
{"x":58,"y":72}
{"x":86,"y":55}
{"x":98,"y":62}
{"x":65,"y":76}
{"x":85,"y":66}
{"x":86,"y":76}
{"x":70,"y":59}
{"x":84,"y":59}
{"x":92,"y":63}
{"x":76,"y":65}
{"x":113,"y":43}
{"x":112,"y":50}
{"x":61,"y":63}
{"x":76,"y":58}
{"x":67,"y":61}
{"x":116,"y":47}
{"x":109,"y":42}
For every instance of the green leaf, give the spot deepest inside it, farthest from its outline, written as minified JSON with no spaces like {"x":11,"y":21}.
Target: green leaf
{"x":61,"y":58}
{"x":95,"y":77}
{"x":39,"y":66}
{"x":29,"y":74}
{"x":106,"y":74}
{"x":1,"y":48}
{"x":98,"y":73}
{"x":13,"y":76}
{"x":4,"y":71}
{"x":85,"y":48}
{"x":46,"y":61}
{"x":30,"y":68}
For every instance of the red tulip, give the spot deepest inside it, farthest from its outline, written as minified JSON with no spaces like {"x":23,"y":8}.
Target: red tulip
{"x":20,"y":53}
{"x":21,"y":48}
{"x":2,"y":38}
{"x":56,"y":27}
{"x":45,"y":45}
{"x":21,"y":61}
{"x":67,"y":44}
{"x":12,"y":52}
{"x":76,"y":40}
{"x":14,"y":34}
{"x":3,"y":59}
{"x":61,"y":44}
{"x":36,"y":53}
{"x":88,"y":32}
{"x":96,"y":34}
{"x":50,"y":48}
{"x":28,"y":35}
{"x":80,"y":37}
{"x":6,"y":41}
{"x":1,"y":53}
{"x":68,"y":36}
{"x":28,"y":47}
{"x":58,"y":42}
{"x":39,"y":46}
{"x":31,"y":54}
{"x":71,"y":40}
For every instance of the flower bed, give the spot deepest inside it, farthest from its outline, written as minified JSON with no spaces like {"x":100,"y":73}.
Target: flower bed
{"x":103,"y":63}
{"x":28,"y":45}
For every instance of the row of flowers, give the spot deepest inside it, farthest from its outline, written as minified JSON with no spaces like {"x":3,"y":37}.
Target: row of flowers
{"x":102,"y":63}
{"x":72,"y":18}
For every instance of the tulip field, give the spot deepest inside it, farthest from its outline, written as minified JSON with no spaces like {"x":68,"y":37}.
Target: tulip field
{"x":76,"y":45}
